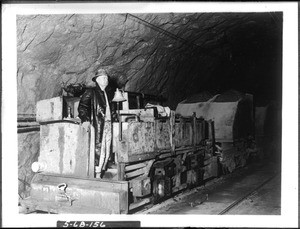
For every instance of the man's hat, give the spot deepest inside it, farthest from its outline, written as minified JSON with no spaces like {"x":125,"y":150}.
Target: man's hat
{"x":100,"y":72}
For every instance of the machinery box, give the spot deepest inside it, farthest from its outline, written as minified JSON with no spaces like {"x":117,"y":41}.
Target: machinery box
{"x":64,"y":149}
{"x":63,"y":194}
{"x":138,"y":141}
{"x":49,"y":109}
{"x":57,"y":108}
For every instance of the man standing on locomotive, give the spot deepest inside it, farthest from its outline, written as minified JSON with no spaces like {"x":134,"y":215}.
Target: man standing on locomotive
{"x":95,"y":107}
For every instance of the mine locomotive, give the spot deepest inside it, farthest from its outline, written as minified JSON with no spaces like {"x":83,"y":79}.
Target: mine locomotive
{"x":156,"y":153}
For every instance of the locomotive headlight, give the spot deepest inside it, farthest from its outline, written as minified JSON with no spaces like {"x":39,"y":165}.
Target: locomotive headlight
{"x":38,"y":166}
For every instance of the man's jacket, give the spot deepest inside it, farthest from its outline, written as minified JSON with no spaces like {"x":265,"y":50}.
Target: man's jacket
{"x":92,"y":107}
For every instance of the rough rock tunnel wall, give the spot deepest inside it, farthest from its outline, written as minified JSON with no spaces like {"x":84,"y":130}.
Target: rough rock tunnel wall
{"x":59,"y":49}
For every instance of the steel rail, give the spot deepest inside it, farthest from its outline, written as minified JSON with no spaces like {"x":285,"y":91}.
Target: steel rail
{"x":245,"y":196}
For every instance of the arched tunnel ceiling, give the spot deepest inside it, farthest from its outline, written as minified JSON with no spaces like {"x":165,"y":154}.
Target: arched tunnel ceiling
{"x":174,"y":55}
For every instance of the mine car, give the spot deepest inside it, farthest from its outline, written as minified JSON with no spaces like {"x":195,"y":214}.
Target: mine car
{"x":155,"y":155}
{"x":233,"y":117}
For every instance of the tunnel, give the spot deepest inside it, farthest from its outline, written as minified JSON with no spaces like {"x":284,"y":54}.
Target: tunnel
{"x":171,"y":55}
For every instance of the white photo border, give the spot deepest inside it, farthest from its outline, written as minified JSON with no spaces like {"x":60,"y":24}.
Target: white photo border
{"x":289,"y":187}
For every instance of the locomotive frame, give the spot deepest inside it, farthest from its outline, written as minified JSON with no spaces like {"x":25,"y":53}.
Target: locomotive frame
{"x":154,"y":158}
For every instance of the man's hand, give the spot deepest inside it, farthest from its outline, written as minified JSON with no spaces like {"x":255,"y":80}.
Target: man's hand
{"x":86,"y":125}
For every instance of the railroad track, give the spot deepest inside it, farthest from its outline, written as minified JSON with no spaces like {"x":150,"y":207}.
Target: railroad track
{"x":235,"y":203}
{"x":154,"y":209}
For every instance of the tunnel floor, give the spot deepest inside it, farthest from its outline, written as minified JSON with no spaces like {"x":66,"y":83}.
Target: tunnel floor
{"x":252,"y":190}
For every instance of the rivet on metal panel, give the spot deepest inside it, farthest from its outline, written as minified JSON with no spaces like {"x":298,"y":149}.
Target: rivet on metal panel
{"x":135,"y":137}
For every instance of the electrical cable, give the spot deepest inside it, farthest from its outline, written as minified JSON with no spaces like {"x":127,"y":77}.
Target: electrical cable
{"x":163,"y":31}
{"x":24,"y":182}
